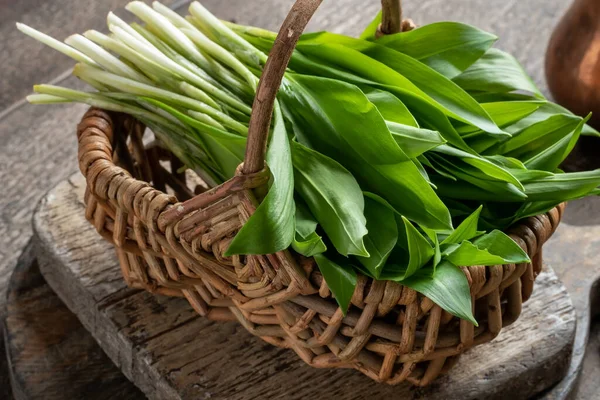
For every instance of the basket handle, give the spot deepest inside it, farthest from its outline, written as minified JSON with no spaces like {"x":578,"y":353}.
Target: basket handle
{"x":279,"y":57}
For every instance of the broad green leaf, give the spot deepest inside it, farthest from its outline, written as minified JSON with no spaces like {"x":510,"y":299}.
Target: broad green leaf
{"x":347,"y":114}
{"x":526,"y":175}
{"x":271,"y":228}
{"x":382,"y":236}
{"x":536,"y":137}
{"x":310,"y":245}
{"x":333,"y":197}
{"x":471,"y":175}
{"x":306,"y":241}
{"x":382,"y":201}
{"x":493,"y":248}
{"x":506,"y":162}
{"x":420,"y":105}
{"x":503,"y":113}
{"x":437,"y":253}
{"x":541,"y":207}
{"x":447,"y":47}
{"x":400,"y":183}
{"x":423,"y":171}
{"x":305,"y":221}
{"x":371,"y":29}
{"x":545,"y":111}
{"x":486,"y":167}
{"x":346,"y":52}
{"x":447,"y":286}
{"x":425,"y":161}
{"x":403,"y":186}
{"x":506,"y":112}
{"x":466,"y":230}
{"x":340,"y":278}
{"x":419,"y":248}
{"x":391,"y":108}
{"x":481,"y":143}
{"x":414,"y":141}
{"x":462,"y":190}
{"x":550,"y":158}
{"x":497,"y":72}
{"x":562,"y":186}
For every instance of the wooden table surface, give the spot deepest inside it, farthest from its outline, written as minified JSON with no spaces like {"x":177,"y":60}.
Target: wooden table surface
{"x":38,"y":144}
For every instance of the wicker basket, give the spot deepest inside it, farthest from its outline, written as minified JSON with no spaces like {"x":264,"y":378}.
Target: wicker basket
{"x":174,"y":245}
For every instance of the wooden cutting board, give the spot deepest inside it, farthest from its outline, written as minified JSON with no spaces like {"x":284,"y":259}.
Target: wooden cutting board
{"x":170,"y":352}
{"x":51,"y":355}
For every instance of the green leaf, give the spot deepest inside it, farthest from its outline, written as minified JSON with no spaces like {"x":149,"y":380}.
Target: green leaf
{"x":382,"y":236}
{"x":346,"y":113}
{"x":346,"y":52}
{"x":537,"y":137}
{"x":562,"y":186}
{"x":340,"y":278}
{"x":333,"y":197}
{"x":305,"y":221}
{"x":490,"y":169}
{"x":310,"y":245}
{"x":391,"y":108}
{"x":271,"y":228}
{"x":371,"y":29}
{"x":545,"y":111}
{"x":462,"y":190}
{"x":306,"y":241}
{"x":503,"y":113}
{"x":506,"y":112}
{"x":447,"y":47}
{"x":550,"y":158}
{"x":414,"y":141}
{"x":420,"y":106}
{"x":467,"y":174}
{"x":419,"y":248}
{"x":466,"y":230}
{"x":401,"y":183}
{"x":496,"y":72}
{"x":527,"y":175}
{"x":493,"y":248}
{"x":447,"y":286}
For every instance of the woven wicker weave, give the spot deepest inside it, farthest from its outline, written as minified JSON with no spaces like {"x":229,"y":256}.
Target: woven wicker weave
{"x":174,"y":245}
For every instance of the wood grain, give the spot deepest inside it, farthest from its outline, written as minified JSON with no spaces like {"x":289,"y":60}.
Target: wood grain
{"x":52,"y":356}
{"x":574,"y":250}
{"x":171,"y":353}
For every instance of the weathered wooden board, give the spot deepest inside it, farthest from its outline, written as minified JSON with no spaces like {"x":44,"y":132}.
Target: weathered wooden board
{"x":170,"y":353}
{"x":51,"y":355}
{"x":573,"y":251}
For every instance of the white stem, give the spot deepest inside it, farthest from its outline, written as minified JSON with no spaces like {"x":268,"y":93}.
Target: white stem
{"x":221,"y":54}
{"x":104,"y":58}
{"x":130,"y":86}
{"x":56,"y":45}
{"x":112,"y":19}
{"x":154,"y":54}
{"x":45,"y":99}
{"x":173,"y":35}
{"x":228,"y":38}
{"x":171,"y":15}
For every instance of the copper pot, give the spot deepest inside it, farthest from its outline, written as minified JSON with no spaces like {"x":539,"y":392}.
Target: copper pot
{"x":573,"y":73}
